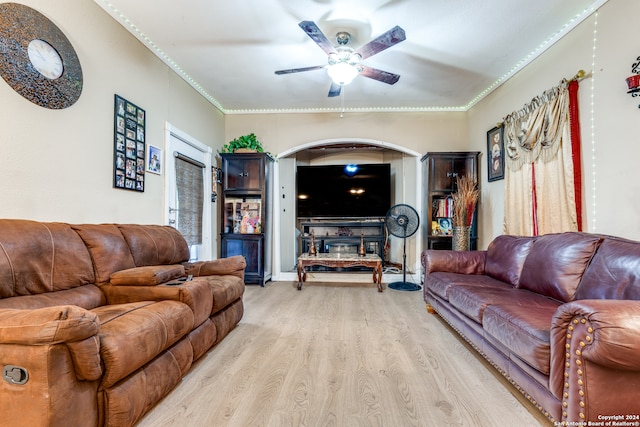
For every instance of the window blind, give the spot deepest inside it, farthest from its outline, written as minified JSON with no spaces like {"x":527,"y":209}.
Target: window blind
{"x":190,"y":189}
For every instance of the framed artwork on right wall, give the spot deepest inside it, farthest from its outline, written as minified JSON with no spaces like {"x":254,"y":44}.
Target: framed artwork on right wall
{"x":495,"y":153}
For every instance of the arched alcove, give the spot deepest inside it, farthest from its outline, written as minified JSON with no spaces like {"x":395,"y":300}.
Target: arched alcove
{"x":406,"y":180}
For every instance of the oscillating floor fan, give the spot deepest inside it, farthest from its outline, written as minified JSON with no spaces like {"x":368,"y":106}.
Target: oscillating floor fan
{"x":403,"y":221}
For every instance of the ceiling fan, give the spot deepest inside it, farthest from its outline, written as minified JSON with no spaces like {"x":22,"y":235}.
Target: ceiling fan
{"x":344,"y":62}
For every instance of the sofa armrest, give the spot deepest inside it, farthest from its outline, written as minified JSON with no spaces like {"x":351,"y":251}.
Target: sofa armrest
{"x":594,"y":344}
{"x":49,"y":325}
{"x":150,"y":275}
{"x":68,"y":325}
{"x":233,"y":265}
{"x":463,"y":262}
{"x":612,"y":335}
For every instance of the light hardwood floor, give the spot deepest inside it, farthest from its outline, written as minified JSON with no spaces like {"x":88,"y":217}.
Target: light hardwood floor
{"x":339,"y":354}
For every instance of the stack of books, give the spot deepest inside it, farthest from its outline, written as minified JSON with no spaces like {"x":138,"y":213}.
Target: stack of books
{"x":443,"y":208}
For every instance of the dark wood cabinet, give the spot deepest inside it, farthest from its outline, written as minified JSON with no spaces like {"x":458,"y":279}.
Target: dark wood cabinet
{"x":440,"y":170}
{"x":446,"y":167}
{"x":246,"y":216}
{"x":244,"y":173}
{"x":251,"y":247}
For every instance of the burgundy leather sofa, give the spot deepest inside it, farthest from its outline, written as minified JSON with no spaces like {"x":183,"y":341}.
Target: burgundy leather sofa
{"x":99,"y":322}
{"x":558,"y":315}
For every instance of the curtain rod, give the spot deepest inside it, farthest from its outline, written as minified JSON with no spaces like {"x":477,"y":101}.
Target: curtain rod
{"x":580,"y":75}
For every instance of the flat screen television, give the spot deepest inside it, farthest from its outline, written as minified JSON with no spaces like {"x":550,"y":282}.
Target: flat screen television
{"x":343,"y":191}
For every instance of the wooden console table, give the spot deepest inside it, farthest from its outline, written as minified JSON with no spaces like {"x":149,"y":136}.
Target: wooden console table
{"x":340,"y":260}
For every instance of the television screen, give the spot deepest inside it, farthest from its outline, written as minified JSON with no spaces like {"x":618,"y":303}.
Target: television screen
{"x":344,"y":191}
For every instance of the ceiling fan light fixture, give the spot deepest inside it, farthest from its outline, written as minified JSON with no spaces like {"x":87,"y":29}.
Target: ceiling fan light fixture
{"x":343,"y":62}
{"x":342,"y":73}
{"x":344,"y":65}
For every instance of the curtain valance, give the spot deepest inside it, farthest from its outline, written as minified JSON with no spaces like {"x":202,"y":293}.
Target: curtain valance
{"x":534,"y":132}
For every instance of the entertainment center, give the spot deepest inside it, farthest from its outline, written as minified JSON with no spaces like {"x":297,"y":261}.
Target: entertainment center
{"x":343,"y":236}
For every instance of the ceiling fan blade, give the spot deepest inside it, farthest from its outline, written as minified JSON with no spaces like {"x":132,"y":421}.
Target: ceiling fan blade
{"x":299,"y":70}
{"x":382,"y":76}
{"x":317,"y":36}
{"x":335,"y":89}
{"x":382,"y":42}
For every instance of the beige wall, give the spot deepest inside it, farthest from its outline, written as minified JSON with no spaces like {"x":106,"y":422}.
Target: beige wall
{"x":57,"y":165}
{"x":421,"y":132}
{"x":610,"y":148}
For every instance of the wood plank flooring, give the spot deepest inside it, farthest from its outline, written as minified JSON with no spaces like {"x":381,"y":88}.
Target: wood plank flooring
{"x":340,"y":354}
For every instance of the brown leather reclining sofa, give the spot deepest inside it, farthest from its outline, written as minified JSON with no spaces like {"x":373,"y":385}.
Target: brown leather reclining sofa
{"x":557,"y":315}
{"x":99,"y":322}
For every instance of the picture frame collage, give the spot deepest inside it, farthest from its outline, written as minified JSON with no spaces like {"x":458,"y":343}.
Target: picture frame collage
{"x":129,"y":146}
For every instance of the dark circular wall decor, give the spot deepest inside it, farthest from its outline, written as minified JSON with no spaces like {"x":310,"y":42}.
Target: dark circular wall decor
{"x":36,"y":58}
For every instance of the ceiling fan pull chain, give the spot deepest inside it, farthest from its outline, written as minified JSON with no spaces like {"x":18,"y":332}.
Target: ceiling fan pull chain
{"x":342,"y":102}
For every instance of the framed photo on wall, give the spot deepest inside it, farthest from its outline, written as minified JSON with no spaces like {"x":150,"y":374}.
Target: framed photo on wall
{"x":154,"y":159}
{"x":129,"y":149}
{"x":495,"y":153}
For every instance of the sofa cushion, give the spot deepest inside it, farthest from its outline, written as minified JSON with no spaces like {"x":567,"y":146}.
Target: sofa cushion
{"x":439,"y":283}
{"x":147,"y":276}
{"x":556,"y":264}
{"x":196,"y":294}
{"x":524,"y":329}
{"x":506,"y":256}
{"x":38,"y":257}
{"x":472,"y":300}
{"x":614,"y":272}
{"x":109,"y":251}
{"x":155,"y":244}
{"x":133,"y":334}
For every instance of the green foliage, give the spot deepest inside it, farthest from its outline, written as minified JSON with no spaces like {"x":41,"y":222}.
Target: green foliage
{"x":246,"y":141}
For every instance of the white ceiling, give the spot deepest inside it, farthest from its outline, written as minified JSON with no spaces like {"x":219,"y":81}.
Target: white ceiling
{"x":456,"y":51}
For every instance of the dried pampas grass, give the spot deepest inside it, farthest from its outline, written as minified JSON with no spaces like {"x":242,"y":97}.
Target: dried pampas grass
{"x":464,"y":201}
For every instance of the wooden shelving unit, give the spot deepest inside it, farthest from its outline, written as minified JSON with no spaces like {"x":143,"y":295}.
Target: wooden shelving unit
{"x":246,"y":217}
{"x":440,"y":170}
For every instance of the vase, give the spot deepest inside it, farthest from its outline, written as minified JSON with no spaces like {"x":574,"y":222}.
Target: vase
{"x":362,"y":251}
{"x":461,"y":239}
{"x":312,"y":245}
